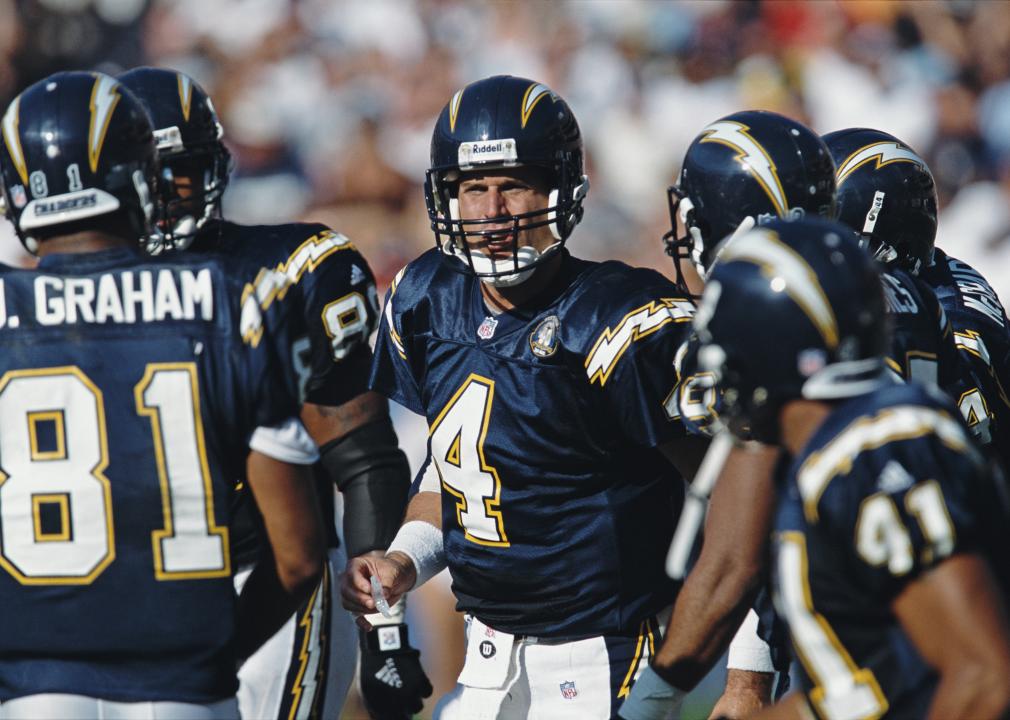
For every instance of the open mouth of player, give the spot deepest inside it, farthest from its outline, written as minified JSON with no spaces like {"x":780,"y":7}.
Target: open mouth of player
{"x":499,"y":243}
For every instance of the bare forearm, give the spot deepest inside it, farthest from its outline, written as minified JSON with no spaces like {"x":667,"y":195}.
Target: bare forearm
{"x":793,"y":707}
{"x":722,"y":586}
{"x":972,"y":654}
{"x":974,"y":691}
{"x":425,"y":506}
{"x":709,"y":609}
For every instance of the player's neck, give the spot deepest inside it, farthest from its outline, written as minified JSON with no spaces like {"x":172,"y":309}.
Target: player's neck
{"x":800,"y":419}
{"x":82,"y":242}
{"x":502,"y":299}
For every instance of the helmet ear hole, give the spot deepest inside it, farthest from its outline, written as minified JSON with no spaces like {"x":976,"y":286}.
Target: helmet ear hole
{"x":552,"y":202}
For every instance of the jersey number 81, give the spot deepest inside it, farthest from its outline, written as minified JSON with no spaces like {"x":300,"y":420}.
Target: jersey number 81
{"x":56,"y":520}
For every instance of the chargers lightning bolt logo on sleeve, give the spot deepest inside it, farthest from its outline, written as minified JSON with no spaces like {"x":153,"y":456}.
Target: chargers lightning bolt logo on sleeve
{"x":752,"y":156}
{"x":884,"y":153}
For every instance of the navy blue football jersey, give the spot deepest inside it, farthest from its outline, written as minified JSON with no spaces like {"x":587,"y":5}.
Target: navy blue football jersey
{"x":922,"y":342}
{"x":557,"y":506}
{"x":328,"y":298}
{"x":982,"y":336}
{"x":324,"y":290}
{"x":888,"y":487}
{"x":129,"y":388}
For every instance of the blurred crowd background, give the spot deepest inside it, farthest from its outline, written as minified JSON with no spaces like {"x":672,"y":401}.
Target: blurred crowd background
{"x":328,"y":105}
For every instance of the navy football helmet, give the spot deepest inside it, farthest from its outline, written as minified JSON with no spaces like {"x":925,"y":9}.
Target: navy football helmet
{"x":745,"y":169}
{"x":188,"y":134}
{"x":887,"y":194}
{"x":504,"y":122}
{"x":78,"y":154}
{"x":791,"y":309}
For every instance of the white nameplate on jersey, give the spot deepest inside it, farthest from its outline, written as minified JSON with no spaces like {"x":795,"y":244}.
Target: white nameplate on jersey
{"x":488,"y":656}
{"x":487,"y":328}
{"x":482,"y":152}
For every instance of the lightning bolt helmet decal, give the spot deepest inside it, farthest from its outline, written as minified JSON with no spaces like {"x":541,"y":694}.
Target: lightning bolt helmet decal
{"x":104,"y":98}
{"x":13,"y":140}
{"x":884,"y":153}
{"x":752,"y":156}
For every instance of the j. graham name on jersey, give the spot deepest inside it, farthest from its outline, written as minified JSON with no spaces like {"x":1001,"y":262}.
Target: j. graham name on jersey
{"x":126,"y":297}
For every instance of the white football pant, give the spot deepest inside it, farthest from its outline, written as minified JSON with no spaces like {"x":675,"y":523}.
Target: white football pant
{"x":306,"y":668}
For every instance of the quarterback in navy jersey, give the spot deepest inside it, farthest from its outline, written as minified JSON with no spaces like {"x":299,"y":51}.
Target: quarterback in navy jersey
{"x":542,"y":378}
{"x":131,"y":393}
{"x":324,"y":290}
{"x":889,"y":524}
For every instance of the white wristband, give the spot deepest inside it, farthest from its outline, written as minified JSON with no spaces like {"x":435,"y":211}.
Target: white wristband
{"x":422,"y":543}
{"x":748,"y":651}
{"x":398,"y":610}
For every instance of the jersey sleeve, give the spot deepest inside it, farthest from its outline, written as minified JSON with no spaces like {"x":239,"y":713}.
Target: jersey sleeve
{"x":982,"y":393}
{"x":393,"y":372}
{"x":632,"y":363}
{"x":341,"y":313}
{"x":906,"y":506}
{"x":267,"y":393}
{"x":695,"y":400}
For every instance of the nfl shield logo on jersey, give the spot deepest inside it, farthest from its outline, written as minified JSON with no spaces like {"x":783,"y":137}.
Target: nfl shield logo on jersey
{"x":544,"y":339}
{"x":568,"y":691}
{"x":486,"y":329}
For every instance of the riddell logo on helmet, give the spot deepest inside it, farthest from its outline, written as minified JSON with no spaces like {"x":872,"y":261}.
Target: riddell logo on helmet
{"x":494,"y":147}
{"x":482,"y":152}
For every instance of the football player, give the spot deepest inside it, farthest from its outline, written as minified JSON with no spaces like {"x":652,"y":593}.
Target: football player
{"x":548,"y":490}
{"x":886,"y":192}
{"x":888,"y":522}
{"x":329,"y":302}
{"x":730,"y":165}
{"x":132,"y":392}
{"x":742,"y":170}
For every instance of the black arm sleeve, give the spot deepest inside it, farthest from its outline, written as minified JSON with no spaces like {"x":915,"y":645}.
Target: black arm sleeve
{"x":372,"y":472}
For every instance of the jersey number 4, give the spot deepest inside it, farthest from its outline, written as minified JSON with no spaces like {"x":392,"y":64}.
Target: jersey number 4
{"x":457,"y":448}
{"x":56,"y":523}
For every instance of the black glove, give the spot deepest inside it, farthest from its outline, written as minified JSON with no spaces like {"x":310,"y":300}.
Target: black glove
{"x":392,"y":680}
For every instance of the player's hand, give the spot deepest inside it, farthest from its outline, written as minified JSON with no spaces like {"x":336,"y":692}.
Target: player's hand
{"x":396,"y":572}
{"x":651,"y":698}
{"x":745,"y":694}
{"x":393,"y":683}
